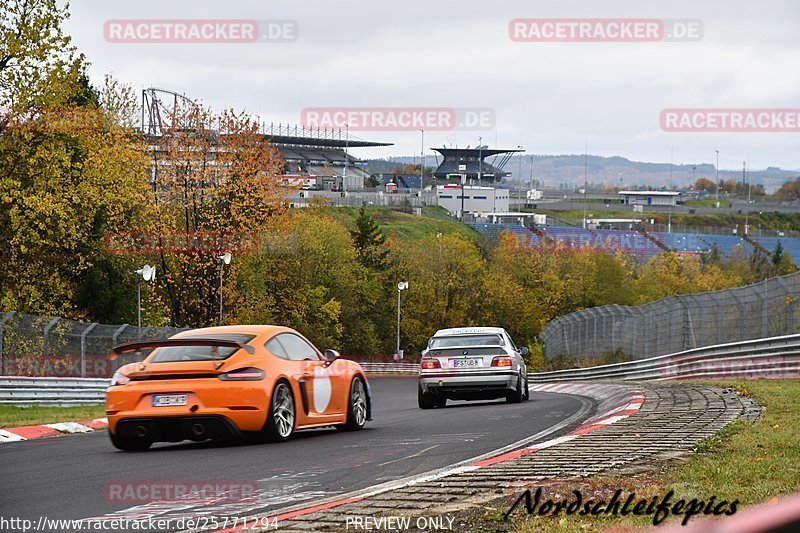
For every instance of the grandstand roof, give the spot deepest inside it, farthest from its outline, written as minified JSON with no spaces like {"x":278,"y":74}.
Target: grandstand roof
{"x":649,"y":193}
{"x":319,"y":142}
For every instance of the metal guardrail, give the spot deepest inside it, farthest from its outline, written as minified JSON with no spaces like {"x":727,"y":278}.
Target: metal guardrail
{"x":25,"y":391}
{"x":774,"y":357}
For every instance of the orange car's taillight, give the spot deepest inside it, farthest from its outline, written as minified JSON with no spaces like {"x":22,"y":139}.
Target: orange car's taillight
{"x":119,"y":379}
{"x":428,"y":364}
{"x":243,"y":374}
{"x":501,"y":361}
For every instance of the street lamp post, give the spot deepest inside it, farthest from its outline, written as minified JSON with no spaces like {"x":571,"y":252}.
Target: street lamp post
{"x":717,"y":168}
{"x":223,"y":260}
{"x":403,"y":285}
{"x":146,"y":273}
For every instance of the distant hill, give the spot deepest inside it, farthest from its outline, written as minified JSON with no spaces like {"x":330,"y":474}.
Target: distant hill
{"x":568,"y":171}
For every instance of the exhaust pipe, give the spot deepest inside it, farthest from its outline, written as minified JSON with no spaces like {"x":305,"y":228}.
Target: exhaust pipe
{"x":141,"y":432}
{"x":198,"y":430}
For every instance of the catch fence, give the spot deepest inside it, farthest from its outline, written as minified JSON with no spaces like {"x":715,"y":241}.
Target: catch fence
{"x":680,"y":322}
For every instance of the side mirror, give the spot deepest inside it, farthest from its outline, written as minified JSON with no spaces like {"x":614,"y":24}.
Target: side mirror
{"x":330,"y":355}
{"x":523,"y":350}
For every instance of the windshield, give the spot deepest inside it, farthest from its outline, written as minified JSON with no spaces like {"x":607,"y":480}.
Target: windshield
{"x":465,"y":340}
{"x":174,"y":354}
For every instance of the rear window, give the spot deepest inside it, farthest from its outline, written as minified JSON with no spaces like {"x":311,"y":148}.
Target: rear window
{"x":465,"y":340}
{"x":174,"y":354}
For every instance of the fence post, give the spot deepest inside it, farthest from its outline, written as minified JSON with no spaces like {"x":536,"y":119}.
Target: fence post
{"x":83,"y":347}
{"x":788,"y":299}
{"x":2,"y":324}
{"x":50,"y":325}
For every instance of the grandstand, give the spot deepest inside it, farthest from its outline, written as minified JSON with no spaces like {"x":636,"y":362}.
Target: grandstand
{"x":470,"y":162}
{"x":319,"y":152}
{"x":640,"y":244}
{"x":790,"y":245}
{"x":306,"y":152}
{"x":493,"y":231}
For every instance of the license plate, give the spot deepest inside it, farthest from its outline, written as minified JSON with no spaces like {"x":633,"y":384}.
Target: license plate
{"x":465,"y":363}
{"x":169,"y":400}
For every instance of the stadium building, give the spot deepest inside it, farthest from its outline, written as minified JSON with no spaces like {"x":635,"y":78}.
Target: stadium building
{"x":469,"y":162}
{"x":318,"y":159}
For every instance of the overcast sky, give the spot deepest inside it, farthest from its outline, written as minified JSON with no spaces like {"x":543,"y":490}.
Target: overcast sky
{"x":548,"y":97}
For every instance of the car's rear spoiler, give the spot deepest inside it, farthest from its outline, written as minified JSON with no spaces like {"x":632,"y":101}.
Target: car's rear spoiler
{"x":116,"y":351}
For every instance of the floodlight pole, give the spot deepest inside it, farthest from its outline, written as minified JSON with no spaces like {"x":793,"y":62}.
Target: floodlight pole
{"x":480,"y":160}
{"x":221,"y":266}
{"x":717,"y":168}
{"x":585,"y":179}
{"x":421,"y":164}
{"x":346,"y":146}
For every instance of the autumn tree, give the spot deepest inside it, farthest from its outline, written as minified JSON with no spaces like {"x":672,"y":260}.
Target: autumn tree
{"x":704,"y":184}
{"x":790,"y":190}
{"x":68,"y":172}
{"x":213,"y":174}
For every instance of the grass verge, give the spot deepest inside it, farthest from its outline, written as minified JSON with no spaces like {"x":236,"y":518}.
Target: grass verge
{"x":748,"y":463}
{"x":12,"y":416}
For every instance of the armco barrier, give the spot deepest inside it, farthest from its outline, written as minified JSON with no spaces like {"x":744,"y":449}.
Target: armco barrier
{"x":772,"y":358}
{"x":25,"y":391}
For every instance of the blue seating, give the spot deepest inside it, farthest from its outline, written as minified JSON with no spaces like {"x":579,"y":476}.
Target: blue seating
{"x":636,"y":243}
{"x":727,"y":243}
{"x":789,"y":244}
{"x":493,"y":231}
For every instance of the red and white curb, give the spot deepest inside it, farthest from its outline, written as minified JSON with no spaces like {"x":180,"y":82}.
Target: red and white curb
{"x":50,"y":430}
{"x":614,"y":403}
{"x":612,"y":409}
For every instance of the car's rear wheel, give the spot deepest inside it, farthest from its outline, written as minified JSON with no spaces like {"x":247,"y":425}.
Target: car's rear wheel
{"x":129,"y":444}
{"x":516,"y":396}
{"x":281,"y":416}
{"x":426,"y":400}
{"x":356,"y":406}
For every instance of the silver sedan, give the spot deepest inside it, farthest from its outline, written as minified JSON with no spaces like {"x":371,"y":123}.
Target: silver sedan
{"x":471,"y":364}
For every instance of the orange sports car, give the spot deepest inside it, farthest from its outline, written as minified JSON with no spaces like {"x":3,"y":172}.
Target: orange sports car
{"x":216,"y":383}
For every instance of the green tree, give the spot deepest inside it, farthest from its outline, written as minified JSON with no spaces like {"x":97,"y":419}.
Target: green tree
{"x":369,"y":241}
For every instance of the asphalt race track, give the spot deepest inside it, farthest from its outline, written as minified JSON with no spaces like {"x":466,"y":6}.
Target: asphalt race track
{"x":67,"y":477}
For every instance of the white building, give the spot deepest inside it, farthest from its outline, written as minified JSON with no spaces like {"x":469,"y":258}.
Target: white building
{"x":475,"y":199}
{"x":665,"y":198}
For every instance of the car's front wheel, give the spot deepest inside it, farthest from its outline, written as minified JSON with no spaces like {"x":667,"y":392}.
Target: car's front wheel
{"x":356,"y":406}
{"x":281,"y":415}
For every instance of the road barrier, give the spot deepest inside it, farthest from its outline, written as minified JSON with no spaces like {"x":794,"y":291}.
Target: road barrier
{"x":771,"y":358}
{"x":26,"y":391}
